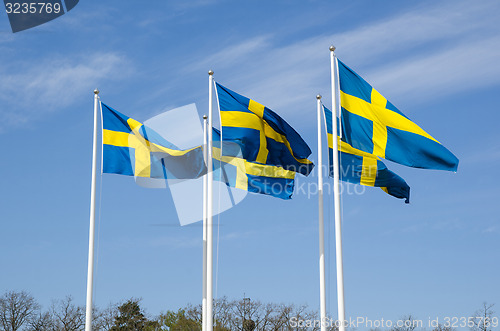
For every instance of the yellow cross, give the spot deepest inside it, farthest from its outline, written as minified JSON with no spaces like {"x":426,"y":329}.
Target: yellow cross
{"x":142,"y":147}
{"x":255,"y":120}
{"x":244,"y":168}
{"x":369,"y":167}
{"x":381,"y":117}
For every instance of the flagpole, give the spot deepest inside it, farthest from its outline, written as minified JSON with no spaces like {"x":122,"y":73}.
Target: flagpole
{"x":322,"y":286}
{"x":205,"y":188}
{"x":90,"y":270}
{"x":336,"y":193}
{"x":210,"y":177}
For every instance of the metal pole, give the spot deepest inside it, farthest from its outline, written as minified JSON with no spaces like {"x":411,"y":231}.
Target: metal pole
{"x":210,"y":177}
{"x":336,"y":193}
{"x":322,"y":286}
{"x":90,"y":271}
{"x":205,"y":156}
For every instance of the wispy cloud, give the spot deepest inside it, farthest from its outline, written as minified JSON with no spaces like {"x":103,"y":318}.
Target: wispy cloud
{"x":237,"y":235}
{"x":492,"y":229}
{"x":233,"y":54}
{"x":447,"y":225}
{"x":421,"y":31}
{"x":443,"y":72}
{"x":438,"y":225}
{"x":433,"y":51}
{"x":189,"y":242}
{"x":52,"y":84}
{"x":189,"y":5}
{"x":77,"y":21}
{"x":175,"y":242}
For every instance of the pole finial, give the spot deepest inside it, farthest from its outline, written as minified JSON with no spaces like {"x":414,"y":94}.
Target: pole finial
{"x":96,"y":91}
{"x":205,"y":117}
{"x":210,"y":72}
{"x":318,"y":96}
{"x":332,"y":48}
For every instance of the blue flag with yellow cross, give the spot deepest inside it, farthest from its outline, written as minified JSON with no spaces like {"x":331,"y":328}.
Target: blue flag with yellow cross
{"x":263,"y":136}
{"x":362,"y":168}
{"x":132,"y":149}
{"x":372,"y":124}
{"x":231,"y":168}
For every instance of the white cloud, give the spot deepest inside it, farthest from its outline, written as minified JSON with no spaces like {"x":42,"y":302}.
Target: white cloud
{"x":447,"y":225}
{"x":233,"y":54}
{"x":443,"y":72}
{"x":191,"y":5}
{"x":418,"y":30}
{"x":52,"y":84}
{"x":428,"y":52}
{"x":491,"y":229}
{"x":175,"y":242}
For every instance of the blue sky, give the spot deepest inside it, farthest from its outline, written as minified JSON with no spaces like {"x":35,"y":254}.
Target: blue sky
{"x":436,"y":61}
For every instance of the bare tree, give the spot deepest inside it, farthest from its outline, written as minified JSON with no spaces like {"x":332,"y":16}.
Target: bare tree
{"x":41,"y":322}
{"x":243,"y":315}
{"x":483,"y":318}
{"x":16,"y":309}
{"x":103,"y":320}
{"x":281,"y":317}
{"x":223,"y":310}
{"x":67,"y":316}
{"x":246,"y":314}
{"x":408,"y":323}
{"x":441,"y":327}
{"x":267,"y":320}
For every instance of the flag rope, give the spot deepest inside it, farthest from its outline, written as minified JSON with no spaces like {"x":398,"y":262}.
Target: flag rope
{"x":218,"y":230}
{"x":219,"y":197}
{"x":99,"y":207}
{"x":329,"y":250}
{"x":339,"y":105}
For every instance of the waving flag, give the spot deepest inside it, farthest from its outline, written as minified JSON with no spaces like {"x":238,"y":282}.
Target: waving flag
{"x":372,"y":124}
{"x":362,"y":168}
{"x":262,"y":135}
{"x":132,"y":149}
{"x":231,"y":168}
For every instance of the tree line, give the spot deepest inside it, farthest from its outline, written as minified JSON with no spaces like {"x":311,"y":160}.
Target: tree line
{"x":20,"y":311}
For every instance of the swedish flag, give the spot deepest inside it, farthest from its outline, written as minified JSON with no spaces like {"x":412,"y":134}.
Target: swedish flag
{"x":231,"y":168}
{"x":372,"y":124}
{"x":359,"y":167}
{"x":262,"y":135}
{"x":132,"y":149}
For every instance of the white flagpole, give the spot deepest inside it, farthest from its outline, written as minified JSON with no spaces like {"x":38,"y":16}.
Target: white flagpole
{"x":90,"y":271}
{"x":205,"y":156}
{"x":210,"y":228}
{"x":322,"y":287}
{"x":336,"y":193}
